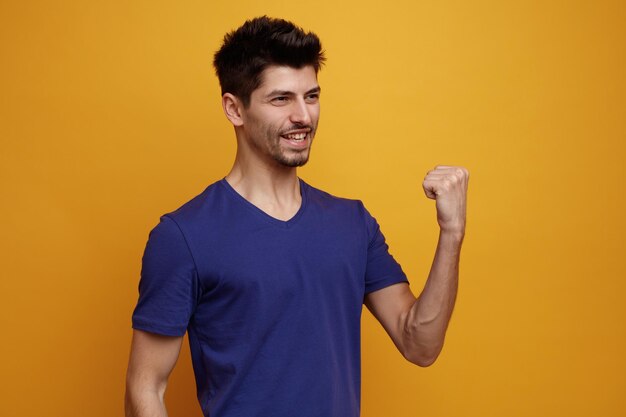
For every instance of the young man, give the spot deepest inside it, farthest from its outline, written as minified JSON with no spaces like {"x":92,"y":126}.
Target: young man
{"x":267,"y":274}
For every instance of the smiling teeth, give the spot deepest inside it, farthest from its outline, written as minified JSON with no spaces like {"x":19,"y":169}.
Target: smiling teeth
{"x":296,"y":136}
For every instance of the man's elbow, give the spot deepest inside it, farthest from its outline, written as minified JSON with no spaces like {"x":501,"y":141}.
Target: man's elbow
{"x":134,"y":397}
{"x":422,"y":357}
{"x":144,"y":396}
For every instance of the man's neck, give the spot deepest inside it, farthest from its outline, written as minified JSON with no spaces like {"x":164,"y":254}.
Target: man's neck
{"x":273,"y":189}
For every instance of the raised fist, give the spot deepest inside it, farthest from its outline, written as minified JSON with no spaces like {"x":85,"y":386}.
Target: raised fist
{"x":447,"y":185}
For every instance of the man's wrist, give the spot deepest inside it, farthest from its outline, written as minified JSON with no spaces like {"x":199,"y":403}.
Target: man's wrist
{"x":452,"y":235}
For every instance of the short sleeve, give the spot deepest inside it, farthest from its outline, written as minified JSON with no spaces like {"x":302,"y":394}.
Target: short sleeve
{"x":382,"y":269}
{"x":168,"y":288}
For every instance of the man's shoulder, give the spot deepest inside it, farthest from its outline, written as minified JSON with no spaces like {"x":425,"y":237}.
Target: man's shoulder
{"x":328,"y":201}
{"x":325,"y":196}
{"x":198,"y":206}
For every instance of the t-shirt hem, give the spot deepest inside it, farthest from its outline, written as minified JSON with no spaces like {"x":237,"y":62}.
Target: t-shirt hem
{"x":158,"y":329}
{"x":385,"y":282}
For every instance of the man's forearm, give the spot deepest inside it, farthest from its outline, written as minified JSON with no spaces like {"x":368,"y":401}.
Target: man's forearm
{"x":425,"y":325}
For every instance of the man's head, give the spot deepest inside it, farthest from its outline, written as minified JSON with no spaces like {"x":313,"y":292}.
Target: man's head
{"x":268,"y":73}
{"x":258,"y":44}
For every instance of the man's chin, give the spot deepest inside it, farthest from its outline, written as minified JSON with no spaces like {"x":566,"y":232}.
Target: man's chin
{"x":294,"y":161}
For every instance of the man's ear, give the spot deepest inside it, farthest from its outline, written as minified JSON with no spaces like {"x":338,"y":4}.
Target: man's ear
{"x":232,"y":109}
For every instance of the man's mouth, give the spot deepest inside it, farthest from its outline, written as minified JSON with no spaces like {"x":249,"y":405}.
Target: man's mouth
{"x":295,"y":136}
{"x":298,"y":138}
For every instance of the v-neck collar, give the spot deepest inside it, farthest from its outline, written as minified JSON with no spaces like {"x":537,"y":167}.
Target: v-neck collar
{"x":262,"y":214}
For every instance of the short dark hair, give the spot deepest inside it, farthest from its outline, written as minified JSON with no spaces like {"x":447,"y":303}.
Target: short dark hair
{"x":259,"y":43}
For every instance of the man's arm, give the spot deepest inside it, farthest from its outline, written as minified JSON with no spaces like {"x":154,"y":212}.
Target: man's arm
{"x":418,"y":326}
{"x":152,"y":359}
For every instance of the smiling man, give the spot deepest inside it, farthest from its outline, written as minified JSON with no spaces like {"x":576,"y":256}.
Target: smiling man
{"x":267,"y":274}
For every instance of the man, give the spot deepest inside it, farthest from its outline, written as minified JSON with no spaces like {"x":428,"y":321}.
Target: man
{"x":267,"y":274}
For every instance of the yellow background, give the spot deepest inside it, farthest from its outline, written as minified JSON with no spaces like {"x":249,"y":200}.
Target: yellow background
{"x":110,"y":117}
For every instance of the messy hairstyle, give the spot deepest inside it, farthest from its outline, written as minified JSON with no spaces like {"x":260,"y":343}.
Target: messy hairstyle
{"x":259,"y":43}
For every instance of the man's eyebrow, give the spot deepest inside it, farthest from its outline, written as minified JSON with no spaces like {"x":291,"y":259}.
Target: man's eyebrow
{"x":291,"y":93}
{"x":317,"y":90}
{"x":279,"y":93}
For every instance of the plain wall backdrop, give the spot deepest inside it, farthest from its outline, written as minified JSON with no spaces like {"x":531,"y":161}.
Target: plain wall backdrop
{"x":110,"y":116}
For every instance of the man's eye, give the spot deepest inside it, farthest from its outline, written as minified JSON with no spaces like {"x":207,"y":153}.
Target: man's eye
{"x":313,"y":97}
{"x":279,"y":99}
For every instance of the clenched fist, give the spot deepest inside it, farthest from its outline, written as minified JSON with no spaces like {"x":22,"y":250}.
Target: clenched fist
{"x":447,"y":185}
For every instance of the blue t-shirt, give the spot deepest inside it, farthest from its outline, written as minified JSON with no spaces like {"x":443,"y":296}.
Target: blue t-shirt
{"x":273,"y":308}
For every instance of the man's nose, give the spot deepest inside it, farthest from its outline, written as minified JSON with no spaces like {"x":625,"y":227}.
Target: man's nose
{"x":301,"y":112}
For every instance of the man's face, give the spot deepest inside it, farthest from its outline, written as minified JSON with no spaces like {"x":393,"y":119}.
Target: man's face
{"x":282,"y":116}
